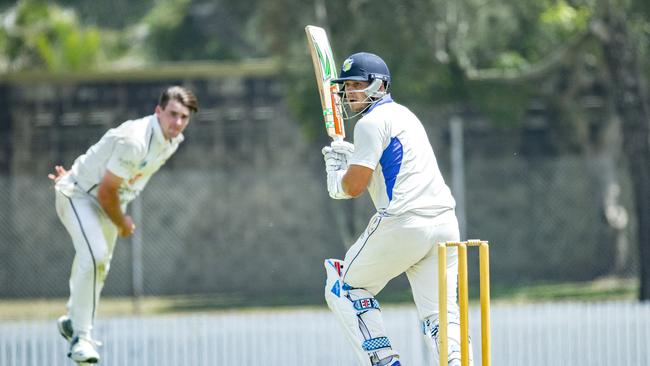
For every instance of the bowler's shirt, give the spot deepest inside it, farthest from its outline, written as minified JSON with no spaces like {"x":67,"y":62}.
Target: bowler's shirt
{"x":391,"y":140}
{"x":133,"y":151}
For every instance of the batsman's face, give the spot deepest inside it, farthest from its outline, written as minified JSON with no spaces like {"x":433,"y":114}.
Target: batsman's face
{"x":173,"y":119}
{"x":355,"y":97}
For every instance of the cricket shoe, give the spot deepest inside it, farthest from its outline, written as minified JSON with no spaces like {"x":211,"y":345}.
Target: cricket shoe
{"x":65,"y":327}
{"x":83,"y":350}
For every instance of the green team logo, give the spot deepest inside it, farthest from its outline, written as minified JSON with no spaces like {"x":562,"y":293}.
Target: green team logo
{"x":347,"y":65}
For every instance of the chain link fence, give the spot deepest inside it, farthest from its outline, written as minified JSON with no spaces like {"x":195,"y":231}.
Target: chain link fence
{"x":242,"y":208}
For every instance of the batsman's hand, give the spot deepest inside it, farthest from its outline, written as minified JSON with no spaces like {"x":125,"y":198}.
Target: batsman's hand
{"x":127,"y":228}
{"x":335,"y":185}
{"x":336,"y":155}
{"x":334,"y":161}
{"x":343,"y":147}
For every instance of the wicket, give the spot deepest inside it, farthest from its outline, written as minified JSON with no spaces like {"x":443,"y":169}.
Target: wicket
{"x":463,"y":299}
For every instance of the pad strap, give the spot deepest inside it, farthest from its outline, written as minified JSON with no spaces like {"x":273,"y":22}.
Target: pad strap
{"x":374,"y":344}
{"x":365,"y":304}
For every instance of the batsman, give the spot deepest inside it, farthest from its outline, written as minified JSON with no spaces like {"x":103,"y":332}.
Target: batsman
{"x":394,"y":161}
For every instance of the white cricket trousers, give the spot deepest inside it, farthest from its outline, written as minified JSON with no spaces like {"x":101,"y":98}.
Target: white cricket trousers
{"x":93,"y":235}
{"x":391,"y":245}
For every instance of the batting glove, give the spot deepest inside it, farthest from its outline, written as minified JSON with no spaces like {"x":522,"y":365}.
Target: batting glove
{"x":334,"y":185}
{"x":333,"y":160}
{"x":343,"y":147}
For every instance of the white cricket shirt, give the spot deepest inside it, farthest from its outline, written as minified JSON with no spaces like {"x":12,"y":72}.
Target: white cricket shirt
{"x":391,"y":140}
{"x":134,"y":151}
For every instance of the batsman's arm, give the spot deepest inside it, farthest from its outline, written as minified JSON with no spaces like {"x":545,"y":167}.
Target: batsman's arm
{"x":109,"y":199}
{"x":356,"y":179}
{"x":369,"y":145}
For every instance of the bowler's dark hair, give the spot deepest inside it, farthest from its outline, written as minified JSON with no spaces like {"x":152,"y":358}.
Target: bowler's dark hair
{"x":180,"y":94}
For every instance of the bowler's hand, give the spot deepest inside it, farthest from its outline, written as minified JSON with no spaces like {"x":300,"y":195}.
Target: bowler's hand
{"x":127,"y":228}
{"x":59,"y":173}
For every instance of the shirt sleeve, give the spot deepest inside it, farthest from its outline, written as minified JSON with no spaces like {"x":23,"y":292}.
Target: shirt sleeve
{"x":368,"y":143}
{"x":125,"y":159}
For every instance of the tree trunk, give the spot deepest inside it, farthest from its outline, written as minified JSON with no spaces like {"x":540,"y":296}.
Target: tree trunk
{"x":629,"y":98}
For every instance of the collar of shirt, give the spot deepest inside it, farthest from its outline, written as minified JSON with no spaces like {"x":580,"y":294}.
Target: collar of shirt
{"x":385,"y":99}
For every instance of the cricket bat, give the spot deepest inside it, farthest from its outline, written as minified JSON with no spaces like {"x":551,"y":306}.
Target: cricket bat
{"x":325,"y":69}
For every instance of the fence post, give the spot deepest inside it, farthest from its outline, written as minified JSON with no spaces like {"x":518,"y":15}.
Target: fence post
{"x":458,"y":172}
{"x":136,"y":254}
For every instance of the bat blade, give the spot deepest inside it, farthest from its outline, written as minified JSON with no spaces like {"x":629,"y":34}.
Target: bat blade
{"x":325,"y":70}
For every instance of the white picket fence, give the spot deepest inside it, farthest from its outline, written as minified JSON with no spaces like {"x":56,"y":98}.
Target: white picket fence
{"x":553,"y":334}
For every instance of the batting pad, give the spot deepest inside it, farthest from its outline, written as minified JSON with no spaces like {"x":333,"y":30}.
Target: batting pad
{"x":358,"y":312}
{"x":430,"y":326}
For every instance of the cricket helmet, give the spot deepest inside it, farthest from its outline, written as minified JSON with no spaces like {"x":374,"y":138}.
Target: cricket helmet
{"x":364,"y":66}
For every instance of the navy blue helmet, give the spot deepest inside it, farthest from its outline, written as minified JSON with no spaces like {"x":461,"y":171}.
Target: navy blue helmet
{"x":364,"y":66}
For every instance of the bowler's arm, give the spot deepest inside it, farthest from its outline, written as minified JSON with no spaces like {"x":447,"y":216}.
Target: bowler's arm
{"x":109,"y":198}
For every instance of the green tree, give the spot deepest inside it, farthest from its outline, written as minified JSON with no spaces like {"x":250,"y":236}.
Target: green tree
{"x":195,"y":30}
{"x":630,"y":99}
{"x":38,"y":35}
{"x":498,"y":55}
{"x":598,"y":39}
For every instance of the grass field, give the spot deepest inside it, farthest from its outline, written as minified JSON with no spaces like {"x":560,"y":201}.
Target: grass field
{"x":606,"y":289}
